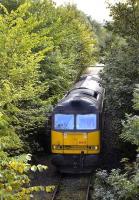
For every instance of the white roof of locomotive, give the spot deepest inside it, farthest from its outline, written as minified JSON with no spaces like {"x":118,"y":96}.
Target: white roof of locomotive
{"x":94,"y":70}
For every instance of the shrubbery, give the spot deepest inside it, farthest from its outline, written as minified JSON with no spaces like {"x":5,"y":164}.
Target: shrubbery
{"x":121,"y":77}
{"x":42,"y":49}
{"x":122,"y":183}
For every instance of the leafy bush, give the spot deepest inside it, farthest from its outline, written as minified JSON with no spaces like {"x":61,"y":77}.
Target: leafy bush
{"x":117,"y":184}
{"x":14,"y":177}
{"x":121,"y":73}
{"x":42,"y":49}
{"x":122,"y":184}
{"x":120,"y":77}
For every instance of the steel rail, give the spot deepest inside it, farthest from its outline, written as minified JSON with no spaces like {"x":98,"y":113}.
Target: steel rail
{"x":56,"y":189}
{"x":88,"y":188}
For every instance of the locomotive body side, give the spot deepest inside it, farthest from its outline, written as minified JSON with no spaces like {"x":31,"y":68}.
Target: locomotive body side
{"x":77,"y":125}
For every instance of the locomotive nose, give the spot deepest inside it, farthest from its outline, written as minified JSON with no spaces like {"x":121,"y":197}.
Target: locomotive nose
{"x":76,"y":102}
{"x":81,"y":104}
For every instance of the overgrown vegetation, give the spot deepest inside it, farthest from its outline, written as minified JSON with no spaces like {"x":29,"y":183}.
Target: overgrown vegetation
{"x":121,"y":78}
{"x":121,"y":73}
{"x":42,"y":50}
{"x":122,"y":183}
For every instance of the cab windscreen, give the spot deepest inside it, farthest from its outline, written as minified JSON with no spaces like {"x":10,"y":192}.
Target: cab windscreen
{"x":86,"y":122}
{"x":63,"y":122}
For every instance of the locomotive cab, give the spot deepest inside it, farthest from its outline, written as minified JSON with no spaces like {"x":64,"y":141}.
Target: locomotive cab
{"x":76,"y":127}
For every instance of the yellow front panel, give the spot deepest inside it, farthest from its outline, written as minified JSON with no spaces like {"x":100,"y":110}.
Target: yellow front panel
{"x":75,"y":143}
{"x":56,"y":139}
{"x":94,"y":140}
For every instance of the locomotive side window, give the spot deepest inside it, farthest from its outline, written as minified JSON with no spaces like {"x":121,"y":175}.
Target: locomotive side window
{"x":86,"y":122}
{"x":63,"y":122}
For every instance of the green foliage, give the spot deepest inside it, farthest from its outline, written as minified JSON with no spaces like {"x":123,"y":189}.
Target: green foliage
{"x":126,"y":18}
{"x":11,"y":4}
{"x":121,"y":73}
{"x":42,"y":50}
{"x":21,"y":50}
{"x":103,"y":38}
{"x":74,"y":47}
{"x":117,"y":185}
{"x":120,"y":77}
{"x":14,"y":178}
{"x":136,"y":98}
{"x":131,"y":130}
{"x":122,"y":184}
{"x":20,"y":63}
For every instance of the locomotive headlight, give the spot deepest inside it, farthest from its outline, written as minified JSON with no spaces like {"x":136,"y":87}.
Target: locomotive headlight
{"x":95,"y":147}
{"x":54,"y":146}
{"x":58,"y":147}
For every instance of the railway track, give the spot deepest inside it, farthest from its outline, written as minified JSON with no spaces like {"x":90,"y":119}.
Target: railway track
{"x":73,"y":188}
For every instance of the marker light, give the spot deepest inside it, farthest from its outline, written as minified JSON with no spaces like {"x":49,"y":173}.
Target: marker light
{"x":94,"y":147}
{"x":58,"y":147}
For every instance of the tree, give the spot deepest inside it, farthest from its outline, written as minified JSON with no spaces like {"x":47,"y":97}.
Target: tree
{"x":42,"y":49}
{"x":126,"y":19}
{"x":120,"y":77}
{"x":122,"y":184}
{"x":74,"y":48}
{"x":21,"y":50}
{"x":70,"y":43}
{"x":121,"y":73}
{"x":130,"y":131}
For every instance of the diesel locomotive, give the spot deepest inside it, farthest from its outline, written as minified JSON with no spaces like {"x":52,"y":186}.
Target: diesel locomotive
{"x":77,"y":125}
